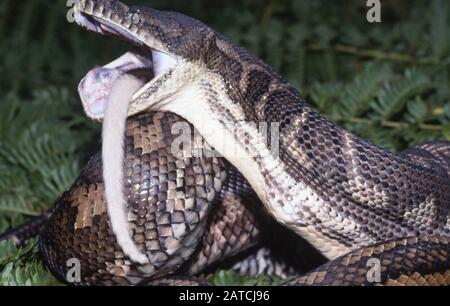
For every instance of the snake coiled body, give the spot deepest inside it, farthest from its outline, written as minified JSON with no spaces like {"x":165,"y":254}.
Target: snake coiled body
{"x":350,"y":200}
{"x":169,"y":201}
{"x":186,"y":239}
{"x":188,"y":213}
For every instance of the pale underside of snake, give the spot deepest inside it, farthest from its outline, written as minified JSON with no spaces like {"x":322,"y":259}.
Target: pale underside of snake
{"x":350,"y":200}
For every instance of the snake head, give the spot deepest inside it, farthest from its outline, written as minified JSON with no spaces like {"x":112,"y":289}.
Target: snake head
{"x":163,"y":31}
{"x":195,"y":72}
{"x":183,"y":58}
{"x":166,"y":43}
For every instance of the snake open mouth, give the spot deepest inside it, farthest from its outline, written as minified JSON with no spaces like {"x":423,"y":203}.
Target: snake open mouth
{"x":144,"y":62}
{"x":106,"y":93}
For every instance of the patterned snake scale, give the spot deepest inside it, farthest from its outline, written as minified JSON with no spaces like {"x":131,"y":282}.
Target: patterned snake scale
{"x":170,"y":203}
{"x":346,"y":200}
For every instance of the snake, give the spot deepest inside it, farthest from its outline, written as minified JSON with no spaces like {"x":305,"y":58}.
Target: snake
{"x":261,"y":165}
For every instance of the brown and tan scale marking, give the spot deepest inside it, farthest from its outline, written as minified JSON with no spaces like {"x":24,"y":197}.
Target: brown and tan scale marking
{"x":350,"y":195}
{"x":167,"y":213}
{"x":410,"y":261}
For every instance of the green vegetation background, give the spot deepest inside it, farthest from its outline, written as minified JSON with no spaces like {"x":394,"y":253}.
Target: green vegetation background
{"x":387,"y":82}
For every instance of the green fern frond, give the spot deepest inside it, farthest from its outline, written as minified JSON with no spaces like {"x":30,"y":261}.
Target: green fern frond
{"x":9,"y":252}
{"x":324,"y":94}
{"x":357,"y":95}
{"x":37,"y":159}
{"x":21,"y":204}
{"x":416,"y":111}
{"x":395,"y":93}
{"x":32,"y":274}
{"x":231,"y":278}
{"x":15,"y":270}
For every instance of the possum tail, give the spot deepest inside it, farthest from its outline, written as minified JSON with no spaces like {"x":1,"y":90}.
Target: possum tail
{"x":114,"y":123}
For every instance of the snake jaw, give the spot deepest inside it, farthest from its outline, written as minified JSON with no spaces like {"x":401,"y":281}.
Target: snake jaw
{"x":176,"y":43}
{"x":95,"y":87}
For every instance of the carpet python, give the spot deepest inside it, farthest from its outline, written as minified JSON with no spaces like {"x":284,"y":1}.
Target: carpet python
{"x":318,"y":188}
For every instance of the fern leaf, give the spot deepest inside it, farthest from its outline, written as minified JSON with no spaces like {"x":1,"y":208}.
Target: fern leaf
{"x":323,"y":94}
{"x":10,"y":252}
{"x":32,"y":274}
{"x":356,"y":95}
{"x":231,"y":278}
{"x":395,"y":94}
{"x":416,"y":111}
